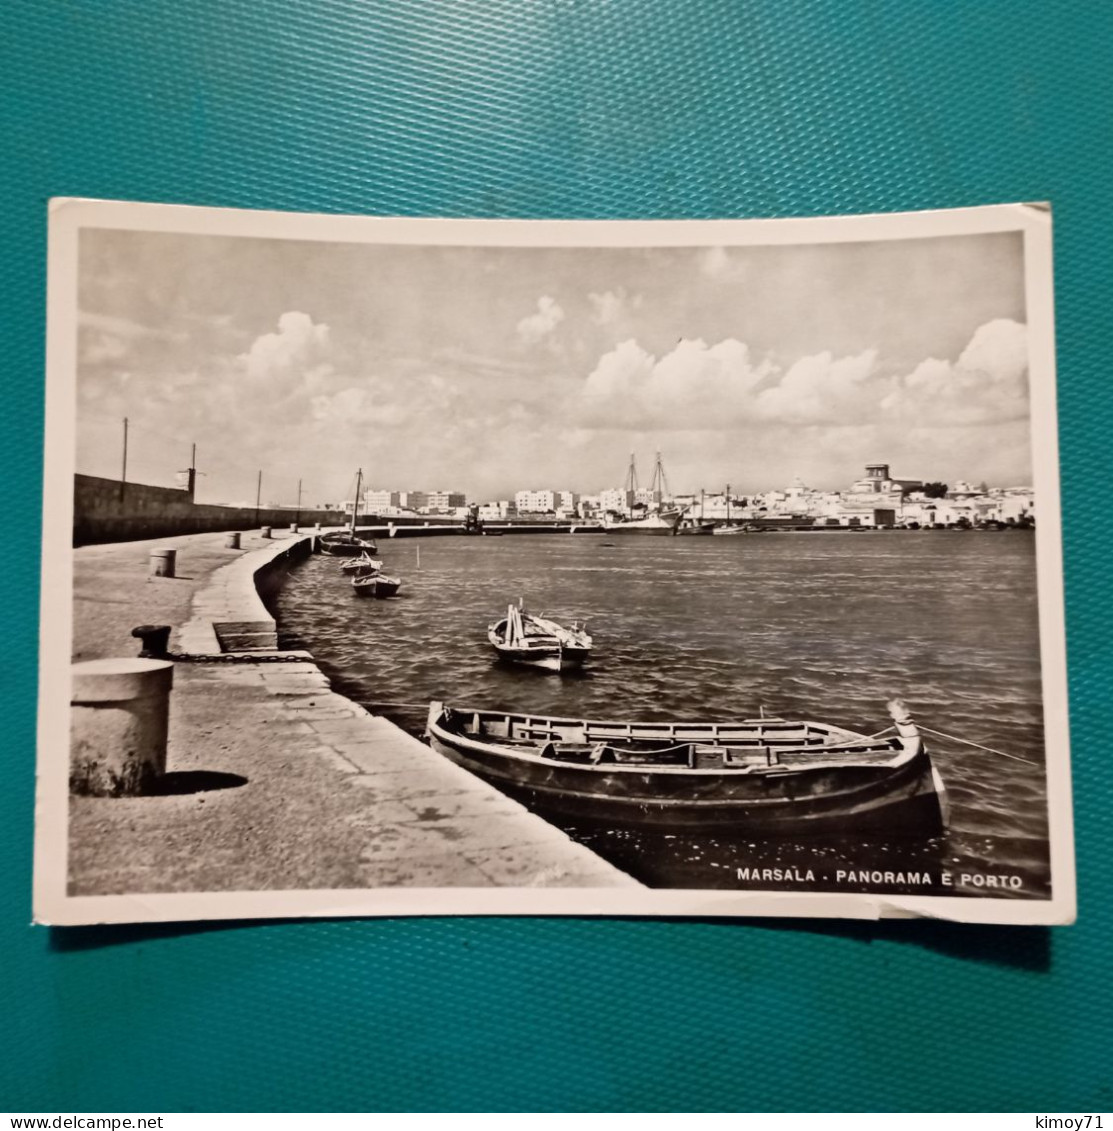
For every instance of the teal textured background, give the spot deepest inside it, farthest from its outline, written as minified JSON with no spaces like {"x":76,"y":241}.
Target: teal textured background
{"x":536,"y":108}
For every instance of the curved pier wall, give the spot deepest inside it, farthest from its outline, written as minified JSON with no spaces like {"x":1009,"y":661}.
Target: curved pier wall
{"x":269,"y":577}
{"x":106,"y":510}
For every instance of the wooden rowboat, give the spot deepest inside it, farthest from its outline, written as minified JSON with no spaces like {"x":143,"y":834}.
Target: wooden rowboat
{"x":538,"y":642}
{"x":768,"y":775}
{"x":362,"y":566}
{"x":375,"y":585}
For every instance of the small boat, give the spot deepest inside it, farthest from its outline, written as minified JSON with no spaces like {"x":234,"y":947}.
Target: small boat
{"x":538,"y":642}
{"x":375,"y":585}
{"x":342,"y":544}
{"x":362,"y":566}
{"x":766,"y":775}
{"x":345,"y":543}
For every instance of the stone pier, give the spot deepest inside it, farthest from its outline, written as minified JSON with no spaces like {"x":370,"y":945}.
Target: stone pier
{"x":274,"y":781}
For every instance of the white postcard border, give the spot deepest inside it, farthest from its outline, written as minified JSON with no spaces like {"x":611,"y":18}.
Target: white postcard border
{"x":52,"y":904}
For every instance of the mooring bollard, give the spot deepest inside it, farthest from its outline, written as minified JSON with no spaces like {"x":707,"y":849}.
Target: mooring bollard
{"x":293,"y":528}
{"x":232,"y":541}
{"x":156,"y":640}
{"x":118,"y":722}
{"x":265,"y":532}
{"x":317,"y":527}
{"x":162,"y":562}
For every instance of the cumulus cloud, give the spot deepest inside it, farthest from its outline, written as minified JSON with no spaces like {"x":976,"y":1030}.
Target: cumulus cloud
{"x":824,"y":389}
{"x":300,"y":347}
{"x":609,"y":307}
{"x":536,"y":327}
{"x":987,"y":384}
{"x":690,"y":387}
{"x":720,"y":386}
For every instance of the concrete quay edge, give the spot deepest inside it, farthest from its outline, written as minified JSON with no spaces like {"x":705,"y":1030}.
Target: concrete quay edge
{"x":428,"y":822}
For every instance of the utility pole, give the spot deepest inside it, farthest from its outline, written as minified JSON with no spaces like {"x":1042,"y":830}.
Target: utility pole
{"x":258,"y":496}
{"x":124,"y":470}
{"x":701,"y":504}
{"x":728,"y":502}
{"x":297,"y":513}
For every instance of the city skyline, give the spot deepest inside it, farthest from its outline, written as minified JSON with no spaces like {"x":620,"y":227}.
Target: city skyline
{"x":465,"y":366}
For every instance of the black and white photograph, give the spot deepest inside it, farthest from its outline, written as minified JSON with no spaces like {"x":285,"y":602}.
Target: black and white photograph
{"x":417,"y":566}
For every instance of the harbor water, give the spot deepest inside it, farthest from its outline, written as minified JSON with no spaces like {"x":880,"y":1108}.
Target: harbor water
{"x":823,"y":626}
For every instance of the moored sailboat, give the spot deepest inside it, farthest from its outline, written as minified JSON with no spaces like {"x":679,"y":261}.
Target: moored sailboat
{"x":345,"y":543}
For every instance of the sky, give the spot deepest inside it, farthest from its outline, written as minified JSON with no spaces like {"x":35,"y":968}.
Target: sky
{"x":490,"y":370}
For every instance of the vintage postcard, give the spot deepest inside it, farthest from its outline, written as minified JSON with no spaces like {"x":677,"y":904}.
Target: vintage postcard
{"x":399,"y":566}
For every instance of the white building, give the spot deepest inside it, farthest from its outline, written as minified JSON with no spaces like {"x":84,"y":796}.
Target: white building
{"x":444,"y":502}
{"x":567,"y":502}
{"x":536,"y":502}
{"x":382,"y":501}
{"x":489,"y":512}
{"x":617,"y":499}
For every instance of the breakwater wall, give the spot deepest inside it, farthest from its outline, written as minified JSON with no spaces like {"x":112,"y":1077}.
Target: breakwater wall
{"x":108,"y":510}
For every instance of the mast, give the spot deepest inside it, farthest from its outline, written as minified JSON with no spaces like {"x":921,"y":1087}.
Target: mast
{"x":631,"y":486}
{"x":659,"y":486}
{"x":355,"y":505}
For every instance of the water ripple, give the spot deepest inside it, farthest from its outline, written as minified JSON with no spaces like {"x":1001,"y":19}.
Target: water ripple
{"x":702,"y":628}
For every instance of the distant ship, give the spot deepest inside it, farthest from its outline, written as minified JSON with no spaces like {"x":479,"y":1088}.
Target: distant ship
{"x":657,"y":521}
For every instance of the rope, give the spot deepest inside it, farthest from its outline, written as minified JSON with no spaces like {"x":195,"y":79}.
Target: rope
{"x":978,"y":746}
{"x":422,"y":706}
{"x":881,"y":732}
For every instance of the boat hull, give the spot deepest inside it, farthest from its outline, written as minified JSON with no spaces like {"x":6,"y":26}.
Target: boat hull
{"x":346,"y":549}
{"x":661,"y":525}
{"x":559,"y":659}
{"x":548,"y":661}
{"x":380,"y":587}
{"x":355,"y":567}
{"x":546,"y":645}
{"x":906,"y":798}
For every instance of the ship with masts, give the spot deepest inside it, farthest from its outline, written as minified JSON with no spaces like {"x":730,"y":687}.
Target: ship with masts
{"x":654,"y":519}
